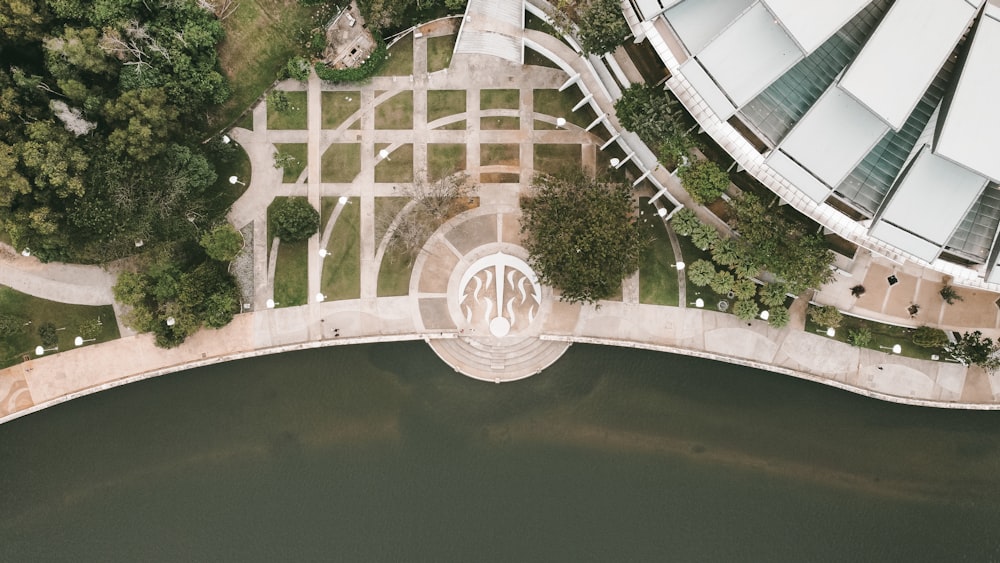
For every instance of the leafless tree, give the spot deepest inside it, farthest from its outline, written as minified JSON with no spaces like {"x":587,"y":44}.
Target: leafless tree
{"x":430,"y":205}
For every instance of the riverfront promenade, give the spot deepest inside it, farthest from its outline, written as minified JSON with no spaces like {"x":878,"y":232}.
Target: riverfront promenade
{"x":446,"y":304}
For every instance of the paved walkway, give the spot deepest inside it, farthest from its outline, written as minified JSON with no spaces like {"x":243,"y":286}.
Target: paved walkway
{"x":433,"y":310}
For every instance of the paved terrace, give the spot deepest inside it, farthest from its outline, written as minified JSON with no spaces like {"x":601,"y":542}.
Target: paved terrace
{"x":435,"y":311}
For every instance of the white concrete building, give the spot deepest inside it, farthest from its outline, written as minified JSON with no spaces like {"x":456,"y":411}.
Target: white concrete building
{"x":878,"y":118}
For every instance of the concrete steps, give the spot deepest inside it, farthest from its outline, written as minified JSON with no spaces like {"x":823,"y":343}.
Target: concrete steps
{"x":498,"y":359}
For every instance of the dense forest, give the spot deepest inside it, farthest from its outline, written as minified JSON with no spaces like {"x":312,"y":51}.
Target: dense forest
{"x":102,"y":109}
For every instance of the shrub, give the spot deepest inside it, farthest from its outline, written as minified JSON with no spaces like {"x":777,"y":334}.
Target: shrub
{"x":704,"y":180}
{"x":294,"y":219}
{"x":725,"y":252}
{"x":778,"y":317}
{"x":746,"y":309}
{"x":222,"y":243}
{"x":929,"y":337}
{"x":722,"y":282}
{"x":684,"y":222}
{"x":772,"y":294}
{"x":744,"y":288}
{"x":298,"y":68}
{"x":703,"y":236}
{"x":949,"y":295}
{"x":47,"y":332}
{"x":89,"y":329}
{"x":11,"y":325}
{"x":826,"y":315}
{"x":277,"y":100}
{"x":861,"y":337}
{"x":701,"y":273}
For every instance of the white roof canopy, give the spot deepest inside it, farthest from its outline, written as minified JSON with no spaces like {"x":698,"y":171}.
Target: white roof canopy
{"x":905,"y":54}
{"x":835,"y":134}
{"x":811,"y":22}
{"x":749,"y":55}
{"x":697,"y":22}
{"x":933,"y":197}
{"x":972,"y":118}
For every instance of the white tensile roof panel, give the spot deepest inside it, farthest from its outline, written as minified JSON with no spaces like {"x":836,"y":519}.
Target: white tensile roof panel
{"x":697,"y":22}
{"x":933,"y":197}
{"x":905,"y":54}
{"x":833,"y":136}
{"x":972,"y":119}
{"x":708,"y":89}
{"x":800,"y":177}
{"x":749,"y":55}
{"x":811,"y":22}
{"x":650,"y":8}
{"x":905,"y":241}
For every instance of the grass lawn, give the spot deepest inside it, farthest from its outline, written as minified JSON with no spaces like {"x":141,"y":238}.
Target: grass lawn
{"x":292,"y":118}
{"x":341,"y":278}
{"x":246,"y":121}
{"x":551,"y":159}
{"x":439,"y":50}
{"x":499,"y":99}
{"x":398,"y":167}
{"x":490,"y":154}
{"x":444,"y":159}
{"x":225,"y":193}
{"x":341,"y":163}
{"x":298,"y":150}
{"x":394,"y":274}
{"x":503,"y":122}
{"x":338,"y":106}
{"x":396,"y":112}
{"x":657,"y":277}
{"x":454,"y":126}
{"x":882,"y":335}
{"x":560,"y":104}
{"x":386,"y":207}
{"x":533,"y":57}
{"x":400,"y":62}
{"x":40,"y":311}
{"x":499,"y":178}
{"x":256,"y":46}
{"x":442,"y":103}
{"x":291,"y":271}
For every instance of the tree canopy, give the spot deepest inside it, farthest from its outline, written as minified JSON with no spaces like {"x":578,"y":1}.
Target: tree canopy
{"x":656,"y":117}
{"x":581,"y":234}
{"x":294,"y":219}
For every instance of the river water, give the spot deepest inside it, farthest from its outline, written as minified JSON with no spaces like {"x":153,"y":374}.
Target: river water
{"x":381,"y":453}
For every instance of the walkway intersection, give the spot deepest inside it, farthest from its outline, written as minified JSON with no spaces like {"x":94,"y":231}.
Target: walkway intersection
{"x":471,"y":295}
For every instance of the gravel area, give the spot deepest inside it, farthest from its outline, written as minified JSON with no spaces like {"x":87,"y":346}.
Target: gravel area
{"x":242,"y":266}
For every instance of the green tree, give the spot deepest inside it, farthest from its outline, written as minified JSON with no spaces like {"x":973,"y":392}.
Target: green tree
{"x":222,"y":243}
{"x":744,"y":288}
{"x":827,"y":315}
{"x":746,"y":309}
{"x":47,"y":332}
{"x":778,"y":317}
{"x":974,"y":348}
{"x":143,"y":121}
{"x":11,"y":325}
{"x":704,"y":180}
{"x":294,"y":219}
{"x":655,"y":116}
{"x":860,"y":337}
{"x":722,"y":282}
{"x":704,"y":236}
{"x":684,"y":222}
{"x":601,"y":27}
{"x":949,"y":294}
{"x":701,"y":273}
{"x":929,"y":337}
{"x":772,"y":294}
{"x":725,"y":252}
{"x":581,"y":234}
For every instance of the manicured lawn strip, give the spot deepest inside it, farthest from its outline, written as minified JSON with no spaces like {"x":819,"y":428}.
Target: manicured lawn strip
{"x":560,"y":104}
{"x":294,"y":117}
{"x":539,"y":125}
{"x":301,"y":152}
{"x":398,"y":167}
{"x":490,"y":153}
{"x":227,"y":193}
{"x":444,"y":159}
{"x":499,"y":99}
{"x":400,"y":62}
{"x":396,"y":112}
{"x":551,"y":159}
{"x":882,"y":335}
{"x":439,"y":50}
{"x":341,"y":163}
{"x":338,"y":106}
{"x":291,"y":271}
{"x":657,"y":278}
{"x":442,"y":103}
{"x":256,"y":46}
{"x":394,"y":274}
{"x":454,"y":126}
{"x":533,"y":57}
{"x":503,"y":123}
{"x":385,"y":206}
{"x":341,"y":278}
{"x":499,"y":178}
{"x":246,"y":121}
{"x":41,"y":311}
